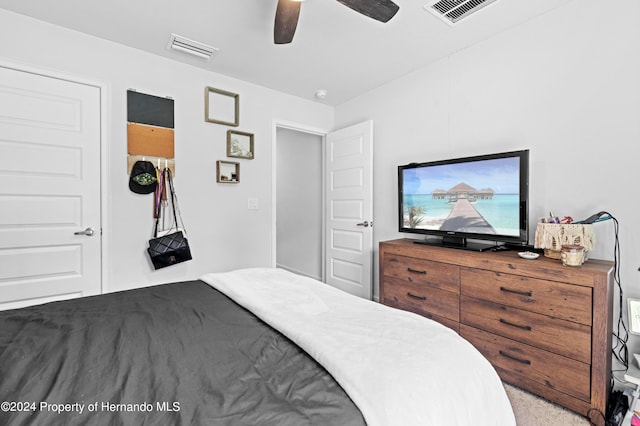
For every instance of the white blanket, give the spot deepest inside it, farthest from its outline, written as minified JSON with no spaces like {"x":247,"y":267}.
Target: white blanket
{"x":399,"y":368}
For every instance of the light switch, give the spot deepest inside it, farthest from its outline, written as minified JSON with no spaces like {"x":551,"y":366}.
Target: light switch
{"x":252,"y":204}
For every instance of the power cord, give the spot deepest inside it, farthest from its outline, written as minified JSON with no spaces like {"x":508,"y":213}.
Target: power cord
{"x":615,"y":408}
{"x":621,"y":335}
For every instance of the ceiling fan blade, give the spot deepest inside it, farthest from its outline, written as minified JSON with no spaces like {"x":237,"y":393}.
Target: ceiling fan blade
{"x":286,"y":21}
{"x":380,"y":10}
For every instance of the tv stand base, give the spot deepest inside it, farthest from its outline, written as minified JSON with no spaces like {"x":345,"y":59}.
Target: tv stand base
{"x":468,"y":245}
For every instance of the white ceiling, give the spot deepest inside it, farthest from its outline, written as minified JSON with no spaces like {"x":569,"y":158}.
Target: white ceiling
{"x":334,"y":48}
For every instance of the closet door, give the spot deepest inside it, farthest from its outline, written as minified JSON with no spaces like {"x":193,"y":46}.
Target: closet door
{"x":50,"y":236}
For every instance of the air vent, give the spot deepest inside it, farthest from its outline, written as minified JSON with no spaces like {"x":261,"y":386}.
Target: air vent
{"x":185,"y":45}
{"x":452,"y":11}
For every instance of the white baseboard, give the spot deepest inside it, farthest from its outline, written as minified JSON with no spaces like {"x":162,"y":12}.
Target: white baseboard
{"x":296,"y":271}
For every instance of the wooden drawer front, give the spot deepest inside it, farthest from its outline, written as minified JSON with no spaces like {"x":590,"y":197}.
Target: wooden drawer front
{"x":553,"y":371}
{"x":435,"y":274}
{"x":566,"y":301}
{"x":421,"y":299}
{"x":562,"y":337}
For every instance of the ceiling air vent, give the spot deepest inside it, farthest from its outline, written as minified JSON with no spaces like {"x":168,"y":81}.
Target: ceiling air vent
{"x":452,"y":11}
{"x":195,"y":48}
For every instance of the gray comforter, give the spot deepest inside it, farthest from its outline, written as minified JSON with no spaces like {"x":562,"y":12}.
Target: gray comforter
{"x":174,"y":354}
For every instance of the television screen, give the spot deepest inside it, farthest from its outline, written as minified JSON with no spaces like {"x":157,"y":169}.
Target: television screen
{"x":480,"y":198}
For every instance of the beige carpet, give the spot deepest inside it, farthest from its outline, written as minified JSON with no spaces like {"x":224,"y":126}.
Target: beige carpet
{"x":531,"y":410}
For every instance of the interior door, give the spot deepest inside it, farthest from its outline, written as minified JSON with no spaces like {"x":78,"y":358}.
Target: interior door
{"x":349,"y":204}
{"x":50,"y":237}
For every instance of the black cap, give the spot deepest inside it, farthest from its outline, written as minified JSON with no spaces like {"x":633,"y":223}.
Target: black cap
{"x":143,"y":178}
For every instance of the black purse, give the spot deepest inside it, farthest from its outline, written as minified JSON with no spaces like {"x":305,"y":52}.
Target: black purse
{"x":173,"y":247}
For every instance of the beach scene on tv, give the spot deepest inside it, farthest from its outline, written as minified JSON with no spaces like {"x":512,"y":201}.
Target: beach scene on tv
{"x":476,"y":197}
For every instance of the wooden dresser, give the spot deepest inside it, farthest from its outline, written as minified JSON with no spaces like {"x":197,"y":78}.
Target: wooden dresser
{"x":545,"y":327}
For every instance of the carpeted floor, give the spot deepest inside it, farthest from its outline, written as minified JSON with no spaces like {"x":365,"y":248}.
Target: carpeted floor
{"x":531,"y":410}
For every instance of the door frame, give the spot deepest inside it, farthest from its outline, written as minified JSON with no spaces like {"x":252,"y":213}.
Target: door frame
{"x":302,"y":128}
{"x":103,"y":88}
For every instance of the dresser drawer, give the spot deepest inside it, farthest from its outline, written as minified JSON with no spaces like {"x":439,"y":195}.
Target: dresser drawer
{"x":566,"y":301}
{"x":420,"y":271}
{"x":556,"y":335}
{"x":552,"y":371}
{"x":421,"y":299}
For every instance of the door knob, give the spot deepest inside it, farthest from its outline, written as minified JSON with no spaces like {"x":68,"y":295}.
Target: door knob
{"x":88,"y":232}
{"x":365,"y":224}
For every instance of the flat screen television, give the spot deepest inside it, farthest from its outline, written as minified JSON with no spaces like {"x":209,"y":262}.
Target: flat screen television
{"x":482,"y":198}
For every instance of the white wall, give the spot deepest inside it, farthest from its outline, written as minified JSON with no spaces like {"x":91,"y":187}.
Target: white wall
{"x":299,"y":202}
{"x":566,"y":85}
{"x":223,"y":233}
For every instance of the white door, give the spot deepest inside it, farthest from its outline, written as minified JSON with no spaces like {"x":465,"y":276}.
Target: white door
{"x":49,"y":189}
{"x":349,"y":201}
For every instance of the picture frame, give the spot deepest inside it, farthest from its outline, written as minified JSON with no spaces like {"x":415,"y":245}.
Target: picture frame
{"x":221,"y":107}
{"x":240,"y":144}
{"x":227,"y":172}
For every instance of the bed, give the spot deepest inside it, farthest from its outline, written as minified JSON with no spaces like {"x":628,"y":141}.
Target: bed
{"x":256,"y":346}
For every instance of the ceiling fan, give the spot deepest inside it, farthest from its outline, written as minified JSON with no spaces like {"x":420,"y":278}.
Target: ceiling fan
{"x":288,"y":11}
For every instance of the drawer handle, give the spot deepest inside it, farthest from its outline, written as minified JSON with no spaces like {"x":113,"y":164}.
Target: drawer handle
{"x":415,"y":271}
{"x":522,"y":293}
{"x":515,"y":358}
{"x":415,"y":296}
{"x":522,"y":327}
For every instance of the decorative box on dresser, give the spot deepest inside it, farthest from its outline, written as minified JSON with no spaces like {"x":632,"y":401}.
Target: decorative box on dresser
{"x":545,"y":327}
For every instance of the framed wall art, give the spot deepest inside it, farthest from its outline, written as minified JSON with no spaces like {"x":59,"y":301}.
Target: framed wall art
{"x":221,"y":107}
{"x":240,"y":144}
{"x":227,"y":172}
